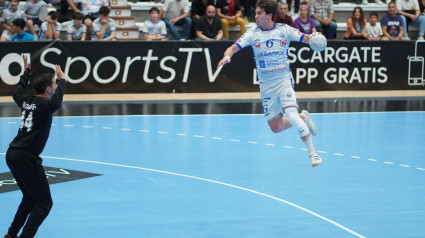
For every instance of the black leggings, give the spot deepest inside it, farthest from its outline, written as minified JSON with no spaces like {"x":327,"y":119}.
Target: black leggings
{"x":37,"y":200}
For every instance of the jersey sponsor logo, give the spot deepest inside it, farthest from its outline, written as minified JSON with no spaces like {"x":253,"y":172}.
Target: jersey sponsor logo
{"x":262,"y":63}
{"x":289,"y":95}
{"x":273,"y":53}
{"x":299,"y":33}
{"x":27,"y":106}
{"x":283,"y":42}
{"x":239,"y":40}
{"x":257,"y":44}
{"x":282,"y":35}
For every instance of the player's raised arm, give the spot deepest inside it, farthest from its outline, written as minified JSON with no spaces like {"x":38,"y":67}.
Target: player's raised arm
{"x":228,"y":55}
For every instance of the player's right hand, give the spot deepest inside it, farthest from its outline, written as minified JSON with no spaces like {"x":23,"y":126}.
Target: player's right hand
{"x":224,"y":61}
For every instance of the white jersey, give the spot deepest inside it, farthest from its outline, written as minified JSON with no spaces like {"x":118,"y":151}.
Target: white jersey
{"x":271,"y":50}
{"x":44,"y":28}
{"x":9,"y":15}
{"x":76,"y":33}
{"x":33,"y":9}
{"x":97,"y":26}
{"x":154,"y":28}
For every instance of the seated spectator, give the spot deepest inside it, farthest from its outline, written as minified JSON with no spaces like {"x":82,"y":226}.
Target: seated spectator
{"x":410,"y":13}
{"x":32,"y":9}
{"x":283,"y":16}
{"x":63,"y":8}
{"x":322,"y":13}
{"x":4,"y":4}
{"x":90,"y":10}
{"x":247,"y":5}
{"x":51,"y":28}
{"x":293,"y":8}
{"x":374,"y":31}
{"x":209,"y":26}
{"x":198,"y":10}
{"x":392,"y":24}
{"x":177,"y":13}
{"x":154,"y":29}
{"x":77,"y":30}
{"x":421,"y":6}
{"x":231,"y":15}
{"x":8,"y":16}
{"x":17,"y":27}
{"x":304,"y":23}
{"x":103,"y":27}
{"x":356,"y":26}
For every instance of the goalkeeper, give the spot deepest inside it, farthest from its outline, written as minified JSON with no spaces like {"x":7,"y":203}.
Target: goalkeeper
{"x":270,"y":43}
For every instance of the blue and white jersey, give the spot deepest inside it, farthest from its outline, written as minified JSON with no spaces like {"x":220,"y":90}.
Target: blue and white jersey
{"x":271,"y":50}
{"x":97,"y":26}
{"x":9,"y":15}
{"x":154,"y":28}
{"x":43,"y":29}
{"x":33,"y":9}
{"x":76,"y":33}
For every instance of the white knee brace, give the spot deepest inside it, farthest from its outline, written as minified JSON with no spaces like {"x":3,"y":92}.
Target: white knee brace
{"x":296,"y":121}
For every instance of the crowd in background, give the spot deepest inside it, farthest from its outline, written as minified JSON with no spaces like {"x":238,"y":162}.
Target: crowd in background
{"x":204,"y":19}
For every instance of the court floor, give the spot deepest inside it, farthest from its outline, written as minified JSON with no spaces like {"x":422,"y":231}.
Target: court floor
{"x":228,"y":175}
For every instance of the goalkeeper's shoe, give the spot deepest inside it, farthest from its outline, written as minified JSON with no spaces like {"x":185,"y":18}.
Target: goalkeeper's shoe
{"x":305,"y":115}
{"x":315,"y":160}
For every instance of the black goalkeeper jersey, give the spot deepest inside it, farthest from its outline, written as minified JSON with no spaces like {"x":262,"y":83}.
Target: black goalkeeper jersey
{"x":36,"y":116}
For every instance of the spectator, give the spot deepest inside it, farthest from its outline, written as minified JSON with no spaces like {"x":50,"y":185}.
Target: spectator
{"x":51,"y":28}
{"x":8,"y":16}
{"x":17,"y":27}
{"x":231,"y":15}
{"x":247,"y":5}
{"x":304,"y":23}
{"x":90,"y":10}
{"x":63,"y":8}
{"x":356,"y":26}
{"x":322,"y":14}
{"x":392,"y":24}
{"x":421,"y":6}
{"x":154,"y":29}
{"x":32,"y":9}
{"x":293,"y":8}
{"x":103,"y":27}
{"x":198,"y":9}
{"x":77,"y":30}
{"x":283,"y":16}
{"x":4,"y":4}
{"x":209,"y":26}
{"x":374,"y":31}
{"x":365,"y":2}
{"x":410,"y":13}
{"x":177,"y":13}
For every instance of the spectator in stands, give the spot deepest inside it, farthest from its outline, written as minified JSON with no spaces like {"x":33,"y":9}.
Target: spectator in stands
{"x":365,"y":2}
{"x":103,"y":26}
{"x":17,"y":27}
{"x":247,"y":5}
{"x":322,"y":14}
{"x":8,"y":16}
{"x":32,"y":9}
{"x":4,"y":4}
{"x":209,"y":26}
{"x":198,"y":9}
{"x":392,"y":24}
{"x":374,"y":31}
{"x":154,"y":28}
{"x":293,"y":8}
{"x":231,"y":15}
{"x":90,"y":10}
{"x":283,"y":16}
{"x":51,"y":28}
{"x":63,"y":8}
{"x":421,"y":6}
{"x":304,"y":23}
{"x":356,"y":26}
{"x":177,"y":13}
{"x":77,"y":30}
{"x":410,"y":13}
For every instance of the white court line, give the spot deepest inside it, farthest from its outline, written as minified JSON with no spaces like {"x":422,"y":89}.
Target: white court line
{"x":338,"y":154}
{"x":270,"y":144}
{"x":107,"y":128}
{"x":386,"y":162}
{"x":374,"y":160}
{"x":217,"y":138}
{"x":405,"y":165}
{"x":235,"y":140}
{"x":162,"y":132}
{"x":88,"y":126}
{"x":288,"y":147}
{"x":180,"y":134}
{"x":68,"y":125}
{"x":125,"y":129}
{"x":144,"y":130}
{"x":217,"y":182}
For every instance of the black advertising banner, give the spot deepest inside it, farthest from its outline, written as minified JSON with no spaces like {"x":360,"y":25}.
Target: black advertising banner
{"x":191,"y":66}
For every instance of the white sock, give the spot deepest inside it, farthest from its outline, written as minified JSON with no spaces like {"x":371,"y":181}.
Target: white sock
{"x":309,"y":144}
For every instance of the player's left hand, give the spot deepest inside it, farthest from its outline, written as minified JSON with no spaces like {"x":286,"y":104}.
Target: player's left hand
{"x":59,"y":72}
{"x":26,"y":65}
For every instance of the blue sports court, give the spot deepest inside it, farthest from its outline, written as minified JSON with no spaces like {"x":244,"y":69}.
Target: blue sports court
{"x":228,"y":175}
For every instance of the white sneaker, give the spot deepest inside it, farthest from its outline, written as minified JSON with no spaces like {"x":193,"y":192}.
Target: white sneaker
{"x":315,"y":160}
{"x":420,"y":37}
{"x":305,"y":115}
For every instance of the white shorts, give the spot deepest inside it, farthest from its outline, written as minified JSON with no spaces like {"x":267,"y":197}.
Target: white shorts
{"x":277,"y":96}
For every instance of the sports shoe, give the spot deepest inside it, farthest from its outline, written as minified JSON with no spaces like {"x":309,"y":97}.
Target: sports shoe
{"x":420,"y":37}
{"x":9,"y":236}
{"x":315,"y":160}
{"x":305,"y":115}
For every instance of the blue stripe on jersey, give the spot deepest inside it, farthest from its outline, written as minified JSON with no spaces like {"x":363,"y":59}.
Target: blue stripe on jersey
{"x":302,"y":37}
{"x":239,"y":46}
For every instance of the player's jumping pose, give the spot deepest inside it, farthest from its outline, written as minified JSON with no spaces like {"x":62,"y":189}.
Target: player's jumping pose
{"x":270,"y":43}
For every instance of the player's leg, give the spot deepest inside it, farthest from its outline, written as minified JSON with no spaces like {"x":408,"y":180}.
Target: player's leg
{"x":302,"y":129}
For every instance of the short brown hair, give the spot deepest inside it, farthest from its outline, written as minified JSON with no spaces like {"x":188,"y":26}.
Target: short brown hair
{"x":269,"y":6}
